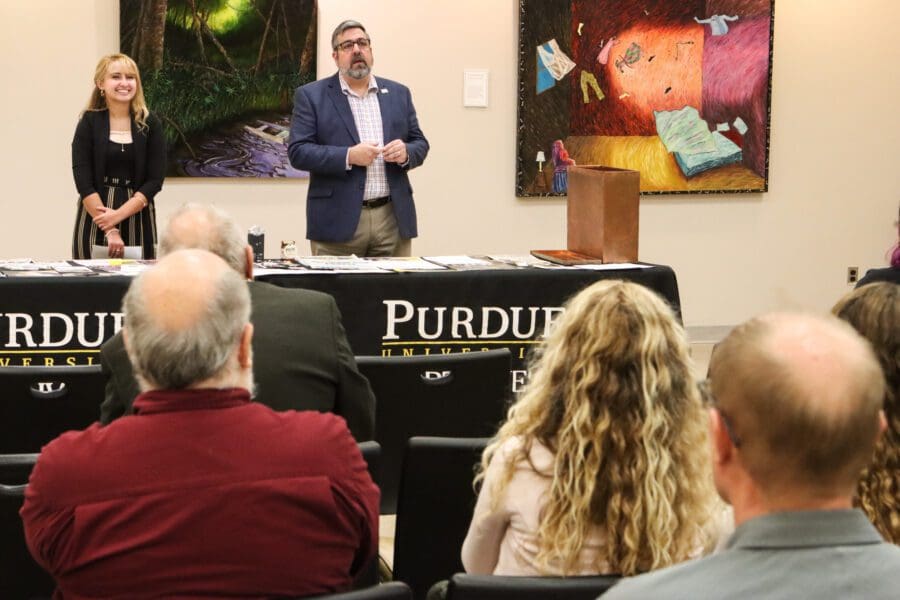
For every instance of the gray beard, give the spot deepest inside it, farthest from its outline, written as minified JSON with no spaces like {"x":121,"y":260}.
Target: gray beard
{"x":360,"y":73}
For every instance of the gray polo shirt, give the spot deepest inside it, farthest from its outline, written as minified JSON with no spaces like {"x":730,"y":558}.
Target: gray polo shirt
{"x":814,"y":554}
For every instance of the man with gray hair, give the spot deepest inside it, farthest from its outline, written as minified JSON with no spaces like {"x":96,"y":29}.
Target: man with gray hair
{"x":202,"y":492}
{"x":358,"y":137}
{"x":795,"y":417}
{"x":303,"y":359}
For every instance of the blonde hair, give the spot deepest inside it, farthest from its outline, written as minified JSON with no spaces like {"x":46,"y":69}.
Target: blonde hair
{"x":874,"y":311}
{"x":139,"y":110}
{"x":613,"y":398}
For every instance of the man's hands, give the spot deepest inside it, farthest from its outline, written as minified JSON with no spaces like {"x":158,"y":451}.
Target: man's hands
{"x":365,"y":153}
{"x":395,"y":152}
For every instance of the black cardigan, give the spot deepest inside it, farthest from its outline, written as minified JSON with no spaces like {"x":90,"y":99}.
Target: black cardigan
{"x":89,"y":154}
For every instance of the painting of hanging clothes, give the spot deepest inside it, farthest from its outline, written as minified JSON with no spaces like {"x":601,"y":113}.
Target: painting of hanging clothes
{"x":678,"y":90}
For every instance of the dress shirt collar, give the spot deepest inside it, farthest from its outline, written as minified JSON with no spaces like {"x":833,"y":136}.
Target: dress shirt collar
{"x":163,"y":401}
{"x":345,"y":87}
{"x":805,"y":529}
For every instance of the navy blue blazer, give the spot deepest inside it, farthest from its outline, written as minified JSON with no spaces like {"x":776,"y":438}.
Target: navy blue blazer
{"x":322,"y":129}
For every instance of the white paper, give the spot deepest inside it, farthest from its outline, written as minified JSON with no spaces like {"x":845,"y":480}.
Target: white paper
{"x":338,"y":263}
{"x":475,"y":88}
{"x":401,"y":263}
{"x":454,"y":260}
{"x":131,"y":252}
{"x":613,"y":267}
{"x":520,"y":260}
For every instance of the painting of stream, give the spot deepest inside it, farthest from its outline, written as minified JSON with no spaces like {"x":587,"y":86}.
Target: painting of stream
{"x":221,"y":74}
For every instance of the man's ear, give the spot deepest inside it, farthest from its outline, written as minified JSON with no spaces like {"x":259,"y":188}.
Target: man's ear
{"x":882,"y":424}
{"x":720,"y":441}
{"x":126,"y":339}
{"x":248,"y":256}
{"x":245,"y":347}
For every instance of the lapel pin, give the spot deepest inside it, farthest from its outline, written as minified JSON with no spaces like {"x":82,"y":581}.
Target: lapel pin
{"x":384,"y":90}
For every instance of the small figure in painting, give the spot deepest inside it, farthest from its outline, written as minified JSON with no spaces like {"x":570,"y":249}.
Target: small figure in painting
{"x":561,"y":163}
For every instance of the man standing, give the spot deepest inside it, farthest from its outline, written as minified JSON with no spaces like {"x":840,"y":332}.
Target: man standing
{"x":797,"y":410}
{"x":303,"y":359}
{"x":357,"y":137}
{"x":202,"y":492}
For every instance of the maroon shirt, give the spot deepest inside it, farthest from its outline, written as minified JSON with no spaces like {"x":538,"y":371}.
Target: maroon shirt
{"x":203,"y":492}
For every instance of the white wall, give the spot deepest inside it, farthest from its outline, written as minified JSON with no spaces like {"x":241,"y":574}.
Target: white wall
{"x":834,"y":176}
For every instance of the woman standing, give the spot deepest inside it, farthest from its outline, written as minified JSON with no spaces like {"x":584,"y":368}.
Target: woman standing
{"x":119,"y":161}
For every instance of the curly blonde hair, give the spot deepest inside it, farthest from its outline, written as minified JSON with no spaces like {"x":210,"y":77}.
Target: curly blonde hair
{"x":874,"y":311}
{"x":613,"y":398}
{"x":139,"y":110}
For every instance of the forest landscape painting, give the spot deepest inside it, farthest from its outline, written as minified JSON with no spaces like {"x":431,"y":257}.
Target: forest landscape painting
{"x":221,"y":74}
{"x":678,"y":90}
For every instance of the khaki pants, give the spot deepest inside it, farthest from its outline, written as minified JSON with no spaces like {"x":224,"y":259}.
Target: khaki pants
{"x":376,"y":235}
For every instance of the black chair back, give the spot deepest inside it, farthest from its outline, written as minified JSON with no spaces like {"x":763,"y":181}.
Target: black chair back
{"x":492,"y":587}
{"x":371,"y":452}
{"x":449,"y":395}
{"x":39,"y":403}
{"x":20,"y":576}
{"x":15,"y":469}
{"x":434,"y":509}
{"x":394,"y":590}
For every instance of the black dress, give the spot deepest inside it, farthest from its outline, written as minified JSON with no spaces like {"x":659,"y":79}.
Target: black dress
{"x":116,"y":171}
{"x":137,"y":230}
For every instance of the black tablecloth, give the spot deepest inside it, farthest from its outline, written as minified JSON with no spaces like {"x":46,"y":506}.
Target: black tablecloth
{"x":372,"y":305}
{"x":64,"y":320}
{"x":59,"y":320}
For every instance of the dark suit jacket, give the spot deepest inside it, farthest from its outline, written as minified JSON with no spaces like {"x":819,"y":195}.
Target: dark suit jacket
{"x":322,"y":129}
{"x":301,"y":360}
{"x":89,"y":154}
{"x":890,"y":274}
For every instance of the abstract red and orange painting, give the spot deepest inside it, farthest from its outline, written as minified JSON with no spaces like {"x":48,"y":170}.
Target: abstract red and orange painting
{"x":676,"y":89}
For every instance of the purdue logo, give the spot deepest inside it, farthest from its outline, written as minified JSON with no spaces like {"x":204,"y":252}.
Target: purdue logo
{"x":48,"y":389}
{"x":404,"y":319}
{"x":437,"y":377}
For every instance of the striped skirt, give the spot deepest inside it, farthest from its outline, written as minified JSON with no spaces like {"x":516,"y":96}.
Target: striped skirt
{"x":137,"y":230}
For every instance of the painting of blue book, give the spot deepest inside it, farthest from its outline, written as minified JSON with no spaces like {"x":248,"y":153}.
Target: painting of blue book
{"x":697,"y":149}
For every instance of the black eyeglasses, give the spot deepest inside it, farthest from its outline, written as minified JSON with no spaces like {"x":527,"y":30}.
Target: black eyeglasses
{"x":710,"y":400}
{"x":347,"y":46}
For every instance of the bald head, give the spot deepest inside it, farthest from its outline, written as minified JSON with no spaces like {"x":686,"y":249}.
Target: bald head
{"x":803,"y":394}
{"x":184,"y":319}
{"x":207,"y":228}
{"x":177,"y":293}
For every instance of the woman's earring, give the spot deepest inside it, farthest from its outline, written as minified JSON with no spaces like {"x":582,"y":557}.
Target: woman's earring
{"x":102,"y":93}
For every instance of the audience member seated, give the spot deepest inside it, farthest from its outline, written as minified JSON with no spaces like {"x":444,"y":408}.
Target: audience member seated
{"x":303,"y":358}
{"x":796,"y":417}
{"x":891,"y":273}
{"x":874,"y":311}
{"x":201,"y":492}
{"x":602,"y":466}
